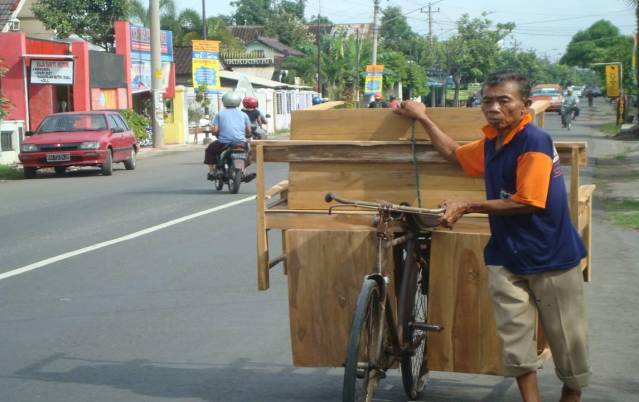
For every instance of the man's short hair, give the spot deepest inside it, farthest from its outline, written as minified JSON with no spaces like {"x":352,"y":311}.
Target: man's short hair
{"x":500,"y":77}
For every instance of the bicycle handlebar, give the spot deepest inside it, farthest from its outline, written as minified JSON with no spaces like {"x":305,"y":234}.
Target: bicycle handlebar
{"x":329,"y":197}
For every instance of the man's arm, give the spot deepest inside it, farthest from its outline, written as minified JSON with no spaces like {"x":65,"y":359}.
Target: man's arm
{"x":455,"y":209}
{"x":445,"y":145}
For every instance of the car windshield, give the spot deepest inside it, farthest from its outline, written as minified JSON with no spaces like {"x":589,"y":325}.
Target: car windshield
{"x":545,"y":92}
{"x":73,"y":122}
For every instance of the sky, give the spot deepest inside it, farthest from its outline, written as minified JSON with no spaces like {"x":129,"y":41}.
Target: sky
{"x":544,"y":26}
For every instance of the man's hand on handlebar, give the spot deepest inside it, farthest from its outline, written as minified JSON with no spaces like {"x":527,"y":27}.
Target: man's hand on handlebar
{"x":453,"y":211}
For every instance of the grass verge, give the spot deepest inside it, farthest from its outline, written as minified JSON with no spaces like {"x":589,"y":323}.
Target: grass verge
{"x":624,"y":212}
{"x":610,"y":129}
{"x":10,"y":173}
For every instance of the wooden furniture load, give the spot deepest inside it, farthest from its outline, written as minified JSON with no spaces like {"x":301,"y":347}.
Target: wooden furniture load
{"x":368,"y":154}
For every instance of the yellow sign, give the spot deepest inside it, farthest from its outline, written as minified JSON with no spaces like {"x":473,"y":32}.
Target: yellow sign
{"x":374,"y":79}
{"x":612,"y":80}
{"x":206,"y":64}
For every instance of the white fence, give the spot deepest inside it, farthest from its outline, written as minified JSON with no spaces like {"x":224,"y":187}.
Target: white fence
{"x":277,"y":103}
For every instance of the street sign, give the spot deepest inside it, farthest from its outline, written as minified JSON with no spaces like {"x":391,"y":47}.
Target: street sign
{"x":56,"y":72}
{"x":612,"y":79}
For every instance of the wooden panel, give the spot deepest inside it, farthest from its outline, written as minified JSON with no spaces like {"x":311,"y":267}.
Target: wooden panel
{"x":584,"y":225}
{"x":262,"y":235}
{"x":458,"y":299}
{"x":463,"y":124}
{"x":326,"y":105}
{"x":325,"y":273}
{"x":309,"y":182}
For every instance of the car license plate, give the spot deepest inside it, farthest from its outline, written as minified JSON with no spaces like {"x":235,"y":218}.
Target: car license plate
{"x":58,"y":157}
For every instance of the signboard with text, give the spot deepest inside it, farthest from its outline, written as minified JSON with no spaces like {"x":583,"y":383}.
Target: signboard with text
{"x":206,"y":65}
{"x":612,"y":80}
{"x":374,"y":79}
{"x":141,"y":74}
{"x":57,"y":72}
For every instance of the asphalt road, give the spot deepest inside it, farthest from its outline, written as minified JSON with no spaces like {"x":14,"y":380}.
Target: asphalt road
{"x":174,"y":315}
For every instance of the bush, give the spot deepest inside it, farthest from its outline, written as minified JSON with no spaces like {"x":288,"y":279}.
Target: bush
{"x":137,"y":122}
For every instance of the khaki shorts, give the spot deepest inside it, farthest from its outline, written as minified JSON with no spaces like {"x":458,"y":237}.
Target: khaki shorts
{"x":558,"y":297}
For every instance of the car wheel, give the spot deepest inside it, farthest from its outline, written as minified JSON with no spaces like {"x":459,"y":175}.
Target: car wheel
{"x":107,"y":166}
{"x":60,"y":169}
{"x":129,"y":164}
{"x":29,"y":172}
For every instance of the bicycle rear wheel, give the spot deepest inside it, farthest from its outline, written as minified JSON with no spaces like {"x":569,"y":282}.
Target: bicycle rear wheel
{"x":413,"y":301}
{"x":362,"y":371}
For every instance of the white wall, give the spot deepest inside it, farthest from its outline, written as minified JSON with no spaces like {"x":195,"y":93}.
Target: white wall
{"x":11,"y":133}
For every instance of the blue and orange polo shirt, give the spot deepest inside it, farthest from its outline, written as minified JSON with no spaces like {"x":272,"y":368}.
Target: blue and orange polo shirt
{"x":526,"y":169}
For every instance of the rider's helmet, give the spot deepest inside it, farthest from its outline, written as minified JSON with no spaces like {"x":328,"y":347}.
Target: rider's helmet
{"x":317,"y":100}
{"x":249,"y":102}
{"x":379,"y":97}
{"x":231,"y":99}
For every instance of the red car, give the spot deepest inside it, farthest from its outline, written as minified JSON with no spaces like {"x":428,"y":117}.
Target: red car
{"x":79,"y":139}
{"x":550,"y":92}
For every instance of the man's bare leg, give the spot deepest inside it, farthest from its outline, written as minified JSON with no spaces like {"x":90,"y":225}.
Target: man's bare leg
{"x":570,"y":395}
{"x":528,"y":387}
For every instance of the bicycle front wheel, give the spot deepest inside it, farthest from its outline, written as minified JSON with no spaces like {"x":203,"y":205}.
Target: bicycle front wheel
{"x":414,"y":303}
{"x":362,"y":371}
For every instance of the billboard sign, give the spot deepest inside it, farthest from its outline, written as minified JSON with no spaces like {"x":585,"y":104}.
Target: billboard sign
{"x":57,"y":72}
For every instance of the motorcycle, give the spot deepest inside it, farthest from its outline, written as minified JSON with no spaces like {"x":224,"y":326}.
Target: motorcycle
{"x":231,"y":165}
{"x":258,"y":132}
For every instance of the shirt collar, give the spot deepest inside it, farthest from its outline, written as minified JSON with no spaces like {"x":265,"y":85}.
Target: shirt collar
{"x":490,"y":132}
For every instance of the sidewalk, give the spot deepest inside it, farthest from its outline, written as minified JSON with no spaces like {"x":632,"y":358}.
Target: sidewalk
{"x":148,"y":152}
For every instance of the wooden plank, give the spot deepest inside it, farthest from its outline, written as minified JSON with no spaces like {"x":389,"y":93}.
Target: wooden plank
{"x":458,"y":299}
{"x":277,"y":189}
{"x":378,"y":151}
{"x":296,"y":220}
{"x":309,"y":182}
{"x":574,"y":187}
{"x":326,"y":105}
{"x":585,"y":226}
{"x":325,"y":273}
{"x":262,"y":235}
{"x":382,"y":124}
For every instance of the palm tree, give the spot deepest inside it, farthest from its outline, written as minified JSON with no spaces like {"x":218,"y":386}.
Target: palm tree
{"x":139,"y":13}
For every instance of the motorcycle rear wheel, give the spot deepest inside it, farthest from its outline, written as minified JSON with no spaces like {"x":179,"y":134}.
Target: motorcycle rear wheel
{"x":235,"y":179}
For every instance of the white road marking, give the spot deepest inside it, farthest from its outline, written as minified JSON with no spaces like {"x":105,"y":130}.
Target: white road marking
{"x":131,"y":236}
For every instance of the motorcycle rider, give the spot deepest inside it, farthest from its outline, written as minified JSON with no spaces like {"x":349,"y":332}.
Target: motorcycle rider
{"x":378,"y":102}
{"x":231,"y":126}
{"x":569,"y":108}
{"x":255,"y":116}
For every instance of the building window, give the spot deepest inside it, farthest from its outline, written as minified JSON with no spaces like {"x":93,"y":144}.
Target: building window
{"x":6,"y":141}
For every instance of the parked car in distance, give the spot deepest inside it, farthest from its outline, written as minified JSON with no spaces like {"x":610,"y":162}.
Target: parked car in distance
{"x":578,"y":90}
{"x":79,"y":139}
{"x":549,"y":92}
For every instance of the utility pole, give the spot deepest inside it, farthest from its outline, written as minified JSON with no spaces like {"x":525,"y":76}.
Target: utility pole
{"x":319,"y":56}
{"x":374,"y":53}
{"x":204,"y":27}
{"x":156,"y":71}
{"x":430,"y":12}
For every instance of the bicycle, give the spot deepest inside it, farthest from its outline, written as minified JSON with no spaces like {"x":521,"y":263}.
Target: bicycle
{"x":381,"y":337}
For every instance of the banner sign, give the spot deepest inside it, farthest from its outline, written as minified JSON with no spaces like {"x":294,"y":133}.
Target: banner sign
{"x":374,"y":79}
{"x":141,"y":44}
{"x":59,"y":72}
{"x":612,"y":79}
{"x":206,"y":65}
{"x":141,"y":75}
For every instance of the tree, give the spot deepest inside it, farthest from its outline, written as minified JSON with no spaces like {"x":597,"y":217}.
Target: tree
{"x":251,"y":12}
{"x":320,"y":19}
{"x":293,"y":7}
{"x":471,"y":54}
{"x":395,"y":32}
{"x":601,"y":43}
{"x":91,"y":20}
{"x":138,"y":11}
{"x":217,"y":28}
{"x":289,"y":29}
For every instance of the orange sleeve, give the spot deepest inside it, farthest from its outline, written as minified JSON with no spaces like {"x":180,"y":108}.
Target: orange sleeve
{"x":533,"y":179}
{"x":471,"y":158}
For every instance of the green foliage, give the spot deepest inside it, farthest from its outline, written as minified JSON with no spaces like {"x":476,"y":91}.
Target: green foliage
{"x":218,"y":29}
{"x":395,"y":32}
{"x":10,"y":172}
{"x":89,"y":19}
{"x":137,"y":122}
{"x":319,"y":20}
{"x":289,"y":28}
{"x":601,"y":43}
{"x":251,"y":12}
{"x":292,"y":7}
{"x":4,"y":103}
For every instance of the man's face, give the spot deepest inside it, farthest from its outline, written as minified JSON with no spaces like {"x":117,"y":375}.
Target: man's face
{"x":502,"y":105}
